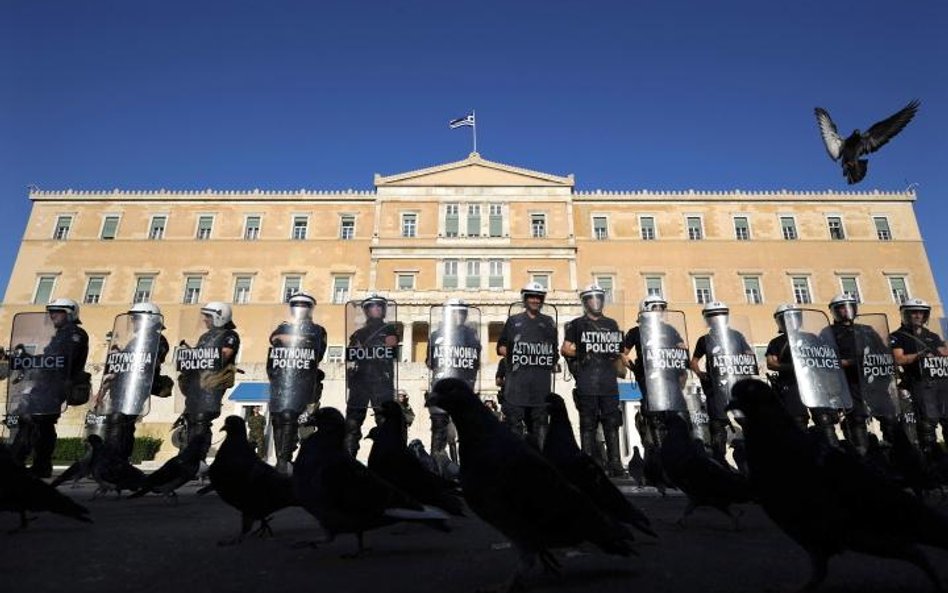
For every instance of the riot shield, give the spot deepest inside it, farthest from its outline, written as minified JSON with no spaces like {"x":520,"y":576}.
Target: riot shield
{"x":532,"y":356}
{"x":454,"y":345}
{"x":129,"y":365}
{"x":729,"y":356}
{"x":933,"y":367}
{"x":372,"y":353}
{"x":819,"y":374}
{"x":665,"y":360}
{"x":199,"y":360}
{"x":876,"y":365}
{"x":39,"y":367}
{"x":293,"y":362}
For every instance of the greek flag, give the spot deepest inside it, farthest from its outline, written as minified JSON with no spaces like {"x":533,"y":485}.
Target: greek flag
{"x":467,"y":120}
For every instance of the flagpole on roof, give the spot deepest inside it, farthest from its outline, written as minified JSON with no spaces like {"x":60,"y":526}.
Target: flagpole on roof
{"x":474,"y":129}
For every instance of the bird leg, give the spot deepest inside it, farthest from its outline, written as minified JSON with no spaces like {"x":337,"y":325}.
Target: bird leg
{"x":264,"y":530}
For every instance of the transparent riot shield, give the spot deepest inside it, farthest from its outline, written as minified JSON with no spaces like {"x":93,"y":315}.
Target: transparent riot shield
{"x":532,"y":355}
{"x":934,"y":367}
{"x":129,"y":365}
{"x":819,"y":374}
{"x":296,"y":346}
{"x":372,"y":352}
{"x":729,"y":356}
{"x":876,"y":365}
{"x":665,"y":360}
{"x":454,"y":345}
{"x":199,"y":361}
{"x":39,"y":366}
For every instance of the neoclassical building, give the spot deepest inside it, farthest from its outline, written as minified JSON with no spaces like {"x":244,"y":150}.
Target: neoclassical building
{"x":474,"y":229}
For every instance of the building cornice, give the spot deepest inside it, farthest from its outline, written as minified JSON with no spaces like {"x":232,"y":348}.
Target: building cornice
{"x":206,"y":195}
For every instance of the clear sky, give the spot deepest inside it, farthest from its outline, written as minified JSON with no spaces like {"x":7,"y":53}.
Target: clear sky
{"x":321,"y":95}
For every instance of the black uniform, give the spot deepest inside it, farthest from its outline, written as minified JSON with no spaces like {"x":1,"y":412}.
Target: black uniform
{"x":37,"y":429}
{"x":654,"y":421}
{"x":929,"y":390}
{"x":716,"y":403}
{"x":531,"y":359}
{"x":203,"y":400}
{"x":461,"y":360}
{"x":371,"y":375}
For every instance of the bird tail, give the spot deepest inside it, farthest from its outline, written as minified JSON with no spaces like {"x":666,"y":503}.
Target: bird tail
{"x":67,"y":507}
{"x":856,"y":173}
{"x":429,"y":515}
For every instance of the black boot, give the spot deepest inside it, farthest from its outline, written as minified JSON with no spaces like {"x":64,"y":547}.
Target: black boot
{"x":614,"y":464}
{"x":587,"y":439}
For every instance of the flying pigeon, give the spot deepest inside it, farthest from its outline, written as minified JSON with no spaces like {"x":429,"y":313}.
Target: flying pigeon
{"x":859,"y":144}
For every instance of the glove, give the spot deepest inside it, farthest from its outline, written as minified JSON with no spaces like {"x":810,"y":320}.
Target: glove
{"x":222,"y":379}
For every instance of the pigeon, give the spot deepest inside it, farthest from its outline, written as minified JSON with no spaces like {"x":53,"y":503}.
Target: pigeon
{"x":21,"y":492}
{"x":79,"y":469}
{"x":583,"y":472}
{"x":344,"y":495}
{"x":176,"y":472}
{"x":110,"y":470}
{"x":513,"y":487}
{"x":703,"y":479}
{"x":637,"y":467}
{"x":826,"y":500}
{"x":391,"y":460}
{"x":740,"y":455}
{"x":245,"y":482}
{"x":417,"y":449}
{"x":859,"y":144}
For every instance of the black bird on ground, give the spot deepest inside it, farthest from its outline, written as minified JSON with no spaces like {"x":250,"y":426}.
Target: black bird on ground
{"x":704,"y":480}
{"x":637,"y":467}
{"x":22,"y":492}
{"x":417,"y":448}
{"x":859,"y":144}
{"x":174,"y":473}
{"x":346,"y":496}
{"x":826,"y":500}
{"x":392,"y":461}
{"x":79,"y":469}
{"x":245,"y":482}
{"x":579,"y":468}
{"x":517,"y":490}
{"x":739,"y":450}
{"x":110,"y":470}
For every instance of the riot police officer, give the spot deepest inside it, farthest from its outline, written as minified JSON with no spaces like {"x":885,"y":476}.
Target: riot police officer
{"x":593,"y":344}
{"x":297,"y":348}
{"x":921,"y":354}
{"x":37,"y":421}
{"x":370,"y":357}
{"x":528,"y":343}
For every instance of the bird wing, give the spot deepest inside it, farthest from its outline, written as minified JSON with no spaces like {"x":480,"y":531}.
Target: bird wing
{"x":883,"y":131}
{"x":834,"y":144}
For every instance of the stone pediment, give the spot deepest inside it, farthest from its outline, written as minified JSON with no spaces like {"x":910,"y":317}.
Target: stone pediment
{"x":473,"y":171}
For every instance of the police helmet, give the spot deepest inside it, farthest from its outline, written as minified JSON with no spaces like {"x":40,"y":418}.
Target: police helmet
{"x":593,"y":297}
{"x":68,"y":306}
{"x":533,"y":289}
{"x":844,"y":307}
{"x":220,"y":313}
{"x":653,"y":302}
{"x":455,"y":306}
{"x":906,"y":308}
{"x":714,"y":308}
{"x":788,"y":311}
{"x":375,"y":300}
{"x":301,"y":306}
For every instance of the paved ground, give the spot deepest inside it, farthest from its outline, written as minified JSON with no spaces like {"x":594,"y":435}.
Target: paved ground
{"x":150,"y":545}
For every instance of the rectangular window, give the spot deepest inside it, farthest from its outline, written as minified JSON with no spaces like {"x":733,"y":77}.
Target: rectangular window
{"x":801,"y":290}
{"x":192,"y":290}
{"x":335,"y":354}
{"x":850,"y":286}
{"x":653,"y":286}
{"x":44,"y":290}
{"x":409,"y":224}
{"x":291,"y":286}
{"x":694,"y":229}
{"x":538,"y":225}
{"x":541,"y":279}
{"x":496,"y":220}
{"x":473,"y":220}
{"x":647,"y":227}
{"x":450,"y":220}
{"x":340,"y":289}
{"x":347,"y":227}
{"x":406,"y":282}
{"x":143,"y":288}
{"x":252,"y":228}
{"x":899,"y":289}
{"x":449,"y":279}
{"x":495,"y":278}
{"x":789,"y":228}
{"x":742,"y":231}
{"x":473,"y":277}
{"x":703,"y":293}
{"x":205,"y":224}
{"x":94,"y":290}
{"x":110,"y":227}
{"x":882,"y":228}
{"x":835,"y":224}
{"x":61,"y":232}
{"x":300,"y":225}
{"x":600,"y":228}
{"x":752,"y":290}
{"x":242,"y":289}
{"x":606,"y":283}
{"x":156,"y":230}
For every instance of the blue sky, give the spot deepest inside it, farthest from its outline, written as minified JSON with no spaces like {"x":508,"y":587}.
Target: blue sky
{"x":321,"y":95}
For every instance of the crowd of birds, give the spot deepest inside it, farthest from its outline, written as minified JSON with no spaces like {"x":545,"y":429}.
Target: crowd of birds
{"x":541,"y":501}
